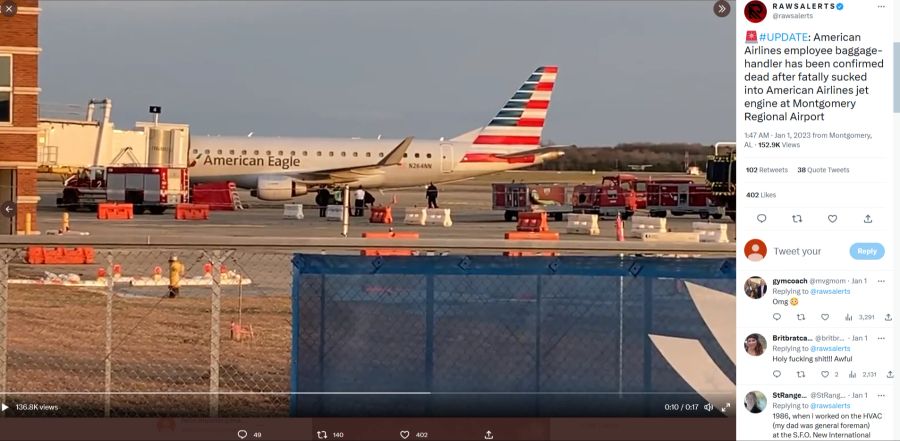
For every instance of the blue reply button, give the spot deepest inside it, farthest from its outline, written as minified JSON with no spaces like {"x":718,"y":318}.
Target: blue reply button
{"x":867,"y":251}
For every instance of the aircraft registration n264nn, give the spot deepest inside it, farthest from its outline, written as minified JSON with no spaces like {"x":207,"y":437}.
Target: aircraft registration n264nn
{"x":277,"y":169}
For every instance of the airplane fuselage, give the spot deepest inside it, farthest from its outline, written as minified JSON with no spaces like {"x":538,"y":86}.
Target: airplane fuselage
{"x":243,"y":160}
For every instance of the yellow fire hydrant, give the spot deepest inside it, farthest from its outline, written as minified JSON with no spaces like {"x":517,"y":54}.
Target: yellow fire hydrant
{"x":176,"y":270}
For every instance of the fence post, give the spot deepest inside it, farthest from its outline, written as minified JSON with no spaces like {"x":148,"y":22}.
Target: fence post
{"x":648,"y":347}
{"x":429,"y":339}
{"x":4,"y":297}
{"x":537,"y":349}
{"x":295,"y":340}
{"x":215,"y":309}
{"x":107,"y":362}
{"x":322,"y":319}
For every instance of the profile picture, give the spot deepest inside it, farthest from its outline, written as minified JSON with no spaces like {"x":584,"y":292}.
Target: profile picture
{"x":755,"y":402}
{"x":755,"y":287}
{"x":755,"y":11}
{"x":755,"y":250}
{"x":755,"y":344}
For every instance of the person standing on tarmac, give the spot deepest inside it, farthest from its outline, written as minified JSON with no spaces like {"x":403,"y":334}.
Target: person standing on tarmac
{"x":359,"y":201}
{"x":431,"y":194}
{"x":176,"y":270}
{"x":322,"y":199}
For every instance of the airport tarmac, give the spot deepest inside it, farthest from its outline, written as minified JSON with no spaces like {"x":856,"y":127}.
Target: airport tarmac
{"x":469,"y":202}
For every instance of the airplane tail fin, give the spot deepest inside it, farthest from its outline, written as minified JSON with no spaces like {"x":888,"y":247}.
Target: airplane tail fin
{"x":521,"y":121}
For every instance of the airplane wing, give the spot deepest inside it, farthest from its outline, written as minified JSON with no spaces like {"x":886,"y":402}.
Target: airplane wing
{"x":350,"y":174}
{"x":538,"y":151}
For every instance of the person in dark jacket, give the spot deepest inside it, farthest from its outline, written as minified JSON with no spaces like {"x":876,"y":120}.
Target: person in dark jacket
{"x":431,"y":194}
{"x":323,"y":197}
{"x":370,"y":200}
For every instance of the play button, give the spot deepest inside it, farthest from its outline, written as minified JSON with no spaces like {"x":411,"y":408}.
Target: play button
{"x":8,"y":209}
{"x":3,"y":407}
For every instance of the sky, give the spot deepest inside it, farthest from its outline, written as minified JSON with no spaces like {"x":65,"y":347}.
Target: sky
{"x":629,"y":71}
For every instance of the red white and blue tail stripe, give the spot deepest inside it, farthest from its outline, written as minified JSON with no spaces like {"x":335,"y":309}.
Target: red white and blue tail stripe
{"x":521,"y":120}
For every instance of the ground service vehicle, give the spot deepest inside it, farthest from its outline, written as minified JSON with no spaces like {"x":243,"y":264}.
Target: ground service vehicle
{"x":152,"y":189}
{"x":721,"y":176}
{"x":514,"y":198}
{"x":682,"y":197}
{"x":615,"y":195}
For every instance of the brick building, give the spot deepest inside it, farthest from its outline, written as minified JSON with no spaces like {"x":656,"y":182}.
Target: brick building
{"x":19,"y":110}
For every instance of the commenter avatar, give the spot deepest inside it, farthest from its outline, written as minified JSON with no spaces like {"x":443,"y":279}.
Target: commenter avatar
{"x":755,"y":250}
{"x":755,"y":402}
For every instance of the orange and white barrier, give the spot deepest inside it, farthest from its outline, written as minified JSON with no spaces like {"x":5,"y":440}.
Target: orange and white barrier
{"x":389,"y":251}
{"x":59,"y":256}
{"x":535,"y":222}
{"x":334,"y":213}
{"x":415,"y":216}
{"x":381,"y":215}
{"x":192,"y":212}
{"x":583,"y":224}
{"x":115,"y":211}
{"x":438,"y":217}
{"x":670,"y":237}
{"x":646,"y":224}
{"x":710,"y":232}
{"x":293,"y":211}
{"x":530,"y":235}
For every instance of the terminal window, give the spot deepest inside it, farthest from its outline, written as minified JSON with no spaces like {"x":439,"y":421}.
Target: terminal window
{"x":5,"y":88}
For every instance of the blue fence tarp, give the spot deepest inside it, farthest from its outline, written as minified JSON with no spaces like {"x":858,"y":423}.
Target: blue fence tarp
{"x":494,"y":336}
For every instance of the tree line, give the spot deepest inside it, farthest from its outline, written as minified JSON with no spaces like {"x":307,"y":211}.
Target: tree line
{"x":660,"y":157}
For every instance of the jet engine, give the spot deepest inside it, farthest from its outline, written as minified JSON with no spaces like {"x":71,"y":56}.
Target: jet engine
{"x":278,"y":188}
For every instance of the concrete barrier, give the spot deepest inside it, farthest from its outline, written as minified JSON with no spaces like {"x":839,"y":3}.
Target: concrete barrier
{"x":293,"y":211}
{"x":711,"y":233}
{"x":334,"y":213}
{"x":583,"y":224}
{"x":645,"y":224}
{"x":438,"y":217}
{"x":670,"y":237}
{"x":415,"y":216}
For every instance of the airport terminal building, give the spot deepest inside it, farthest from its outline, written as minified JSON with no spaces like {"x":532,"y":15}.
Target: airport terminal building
{"x":19,"y":92}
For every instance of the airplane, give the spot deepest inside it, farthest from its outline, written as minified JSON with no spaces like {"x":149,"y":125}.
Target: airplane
{"x":278,"y":169}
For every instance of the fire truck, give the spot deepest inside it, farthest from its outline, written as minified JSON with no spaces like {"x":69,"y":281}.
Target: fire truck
{"x":152,"y":189}
{"x":615,"y":195}
{"x":514,"y":198}
{"x":721,"y":176}
{"x":680,"y":197}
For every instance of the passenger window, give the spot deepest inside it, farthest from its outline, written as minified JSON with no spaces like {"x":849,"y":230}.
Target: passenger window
{"x":318,"y":153}
{"x":417,"y":155}
{"x":243,"y":152}
{"x":428,"y":155}
{"x":195,"y":151}
{"x":206,"y":152}
{"x":218,"y":152}
{"x":355,"y":154}
{"x":280,"y":153}
{"x":381,"y":154}
{"x":231,"y":152}
{"x":304,"y":153}
{"x":330,"y":153}
{"x":368,"y":154}
{"x":343,"y":153}
{"x":256,"y":153}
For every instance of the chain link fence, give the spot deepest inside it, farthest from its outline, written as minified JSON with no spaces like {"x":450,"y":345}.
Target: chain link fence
{"x":258,"y":332}
{"x":494,"y":336}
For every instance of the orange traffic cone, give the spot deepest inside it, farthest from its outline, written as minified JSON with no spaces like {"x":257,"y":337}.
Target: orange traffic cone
{"x":620,"y":228}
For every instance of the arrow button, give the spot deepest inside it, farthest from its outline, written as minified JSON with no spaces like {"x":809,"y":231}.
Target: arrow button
{"x":3,"y":407}
{"x":8,"y":209}
{"x":721,"y":8}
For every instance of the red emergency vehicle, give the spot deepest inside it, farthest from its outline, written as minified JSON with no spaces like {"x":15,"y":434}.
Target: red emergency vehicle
{"x":615,"y":195}
{"x":513,"y":198}
{"x":153,"y":189}
{"x":681,"y":197}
